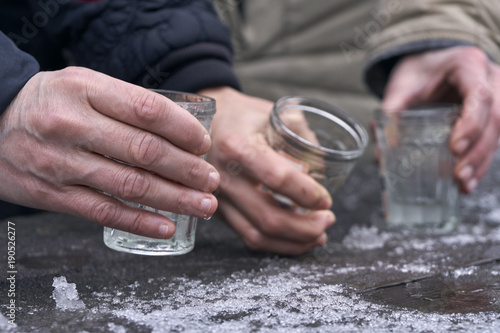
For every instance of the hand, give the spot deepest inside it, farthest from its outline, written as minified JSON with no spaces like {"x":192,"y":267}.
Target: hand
{"x":57,"y":131}
{"x":246,"y":162}
{"x":459,"y":75}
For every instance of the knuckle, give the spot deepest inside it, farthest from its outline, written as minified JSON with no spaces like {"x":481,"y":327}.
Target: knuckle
{"x":254,"y":240}
{"x":274,"y":177}
{"x":146,"y":106}
{"x":193,"y":134}
{"x":135,"y":186}
{"x":105,"y":213}
{"x":271,"y":225}
{"x":145,"y":149}
{"x":474,"y":54}
{"x":109,"y":214}
{"x":73,"y":79}
{"x":315,"y":199}
{"x":183,"y":203}
{"x":228,"y":148}
{"x":135,"y":225}
{"x":73,"y":75}
{"x":53,"y":117}
{"x":482,"y":151}
{"x":313,"y":231}
{"x":195,"y":170}
{"x":475,"y":127}
{"x":52,"y":122}
{"x":38,"y":189}
{"x":484,"y":94}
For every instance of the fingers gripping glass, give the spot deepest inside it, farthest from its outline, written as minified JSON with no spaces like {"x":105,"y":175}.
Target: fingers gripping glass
{"x":417,"y":166}
{"x":318,"y":138}
{"x":203,"y":108}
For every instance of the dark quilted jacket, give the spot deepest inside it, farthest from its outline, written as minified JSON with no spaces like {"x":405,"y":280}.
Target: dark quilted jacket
{"x":170,"y":44}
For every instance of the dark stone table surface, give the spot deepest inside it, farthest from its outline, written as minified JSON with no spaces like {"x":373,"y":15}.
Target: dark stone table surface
{"x":366,"y":279}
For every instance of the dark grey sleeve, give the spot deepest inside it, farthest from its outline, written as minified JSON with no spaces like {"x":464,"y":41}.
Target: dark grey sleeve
{"x":16,"y":68}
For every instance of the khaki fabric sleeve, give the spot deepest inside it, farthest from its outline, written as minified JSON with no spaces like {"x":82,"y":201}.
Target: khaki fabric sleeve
{"x":413,"y":26}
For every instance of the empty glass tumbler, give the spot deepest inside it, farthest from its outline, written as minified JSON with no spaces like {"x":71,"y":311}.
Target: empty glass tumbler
{"x":203,"y":108}
{"x":318,"y":138}
{"x":416,"y":166}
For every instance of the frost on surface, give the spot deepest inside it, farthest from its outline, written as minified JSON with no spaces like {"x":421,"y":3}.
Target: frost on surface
{"x":273,"y":301}
{"x":5,"y":326}
{"x":66,"y":295}
{"x":320,"y":292}
{"x":439,"y":283}
{"x":116,"y":328}
{"x":494,"y":216}
{"x":365,"y":238}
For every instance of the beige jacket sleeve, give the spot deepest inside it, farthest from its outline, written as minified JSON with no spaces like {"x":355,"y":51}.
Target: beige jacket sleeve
{"x":417,"y":25}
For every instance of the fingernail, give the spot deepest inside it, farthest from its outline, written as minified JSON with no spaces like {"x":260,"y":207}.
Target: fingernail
{"x":206,"y":206}
{"x":326,"y":217}
{"x":322,"y":240}
{"x":465,"y":173}
{"x":207,"y":142}
{"x":213,"y":180}
{"x":327,"y":199}
{"x":471,"y":185}
{"x":163,"y":231}
{"x":461,"y":146}
{"x":325,"y":203}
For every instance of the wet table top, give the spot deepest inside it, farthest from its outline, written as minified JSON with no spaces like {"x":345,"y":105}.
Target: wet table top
{"x":366,"y":279}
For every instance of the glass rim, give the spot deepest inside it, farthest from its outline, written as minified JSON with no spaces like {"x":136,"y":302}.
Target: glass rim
{"x":351,"y":125}
{"x":202,"y":99}
{"x":432,"y":111}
